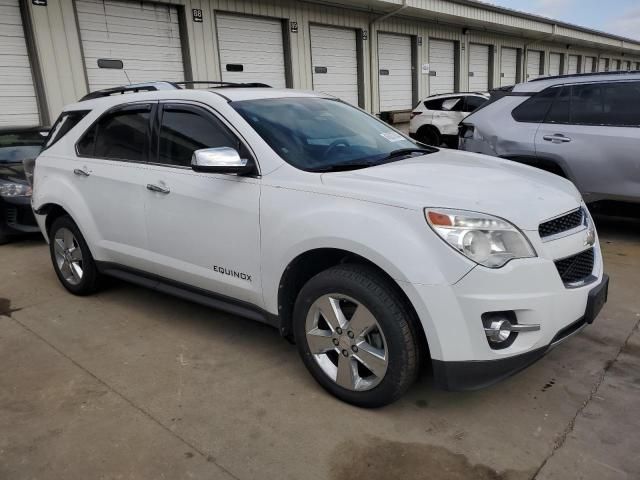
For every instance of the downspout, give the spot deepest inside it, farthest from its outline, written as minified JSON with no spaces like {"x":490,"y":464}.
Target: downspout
{"x":371,"y":52}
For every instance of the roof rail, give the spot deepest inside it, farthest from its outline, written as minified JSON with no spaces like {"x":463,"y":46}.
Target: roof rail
{"x":133,"y":88}
{"x":586,"y":74}
{"x":219,"y":84}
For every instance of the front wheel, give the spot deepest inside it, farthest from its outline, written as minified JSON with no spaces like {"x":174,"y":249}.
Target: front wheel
{"x":71,"y":257}
{"x":356,"y":336}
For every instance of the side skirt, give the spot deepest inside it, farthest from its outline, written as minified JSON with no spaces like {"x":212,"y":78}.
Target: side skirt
{"x":188,"y":292}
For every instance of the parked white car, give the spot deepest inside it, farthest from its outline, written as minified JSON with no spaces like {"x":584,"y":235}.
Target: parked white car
{"x":434,"y":121}
{"x":299,"y":210}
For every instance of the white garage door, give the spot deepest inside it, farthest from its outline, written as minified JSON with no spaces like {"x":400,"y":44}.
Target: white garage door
{"x":18,"y":105}
{"x":335,"y":62}
{"x":627,"y":65}
{"x":442,"y":68}
{"x":508,"y":66}
{"x":603,"y":65}
{"x":573,"y":64}
{"x":251,"y":49}
{"x":589,"y":64}
{"x":396,"y":74}
{"x":616,"y":65}
{"x":478,"y":68}
{"x":145,"y":36}
{"x":534,"y":63}
{"x":555,"y":64}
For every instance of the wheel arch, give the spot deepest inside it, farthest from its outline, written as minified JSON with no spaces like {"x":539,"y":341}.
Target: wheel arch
{"x":308,"y":264}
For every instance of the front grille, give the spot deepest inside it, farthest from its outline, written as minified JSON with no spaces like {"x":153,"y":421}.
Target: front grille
{"x":562,"y":224}
{"x":576,"y":268}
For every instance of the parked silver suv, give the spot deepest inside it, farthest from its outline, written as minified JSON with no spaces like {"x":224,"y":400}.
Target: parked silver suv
{"x":584,"y":127}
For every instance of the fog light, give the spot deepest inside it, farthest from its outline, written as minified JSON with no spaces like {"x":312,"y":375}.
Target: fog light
{"x":498,"y":331}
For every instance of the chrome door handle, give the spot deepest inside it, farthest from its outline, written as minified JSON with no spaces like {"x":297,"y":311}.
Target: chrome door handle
{"x":158,"y":188}
{"x":81,"y":172}
{"x":557,"y":138}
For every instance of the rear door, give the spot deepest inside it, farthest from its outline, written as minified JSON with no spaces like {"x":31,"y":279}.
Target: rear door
{"x":204,"y":228}
{"x":592,"y":130}
{"x":109,"y":173}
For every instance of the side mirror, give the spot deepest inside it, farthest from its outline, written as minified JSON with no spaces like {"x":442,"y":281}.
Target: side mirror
{"x":220,"y":160}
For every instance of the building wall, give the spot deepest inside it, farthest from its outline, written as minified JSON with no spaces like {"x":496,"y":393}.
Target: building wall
{"x":57,"y":41}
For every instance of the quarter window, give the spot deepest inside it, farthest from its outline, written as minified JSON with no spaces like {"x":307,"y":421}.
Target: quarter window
{"x":66,"y":121}
{"x":186,"y":129}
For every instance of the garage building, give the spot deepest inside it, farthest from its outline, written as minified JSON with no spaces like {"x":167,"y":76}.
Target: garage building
{"x":381,"y":55}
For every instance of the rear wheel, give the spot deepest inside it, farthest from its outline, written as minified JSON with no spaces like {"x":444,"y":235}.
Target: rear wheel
{"x":72,"y":260}
{"x":356,"y":336}
{"x":429,"y":135}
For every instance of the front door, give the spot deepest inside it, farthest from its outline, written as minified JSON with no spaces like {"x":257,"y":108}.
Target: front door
{"x":203,"y":228}
{"x":592,"y":131}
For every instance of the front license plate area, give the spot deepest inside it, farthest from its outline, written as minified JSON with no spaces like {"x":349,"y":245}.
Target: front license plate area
{"x":597,"y":298}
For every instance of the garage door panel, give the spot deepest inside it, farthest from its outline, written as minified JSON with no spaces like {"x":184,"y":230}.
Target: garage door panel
{"x":335,"y":49}
{"x":145,"y":36}
{"x":555,"y":63}
{"x":18,"y":103}
{"x":534,"y":64}
{"x":479,"y":66}
{"x":508,"y":66}
{"x":442,"y":66}
{"x":256,"y":44}
{"x":573,"y":64}
{"x":396,"y":86}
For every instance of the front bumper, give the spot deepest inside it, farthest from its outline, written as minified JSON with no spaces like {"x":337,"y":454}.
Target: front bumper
{"x":16,"y":216}
{"x":473,"y":375}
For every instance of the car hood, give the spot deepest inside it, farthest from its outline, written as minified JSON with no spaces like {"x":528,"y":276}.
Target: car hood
{"x":523,"y":195}
{"x":12,"y":172}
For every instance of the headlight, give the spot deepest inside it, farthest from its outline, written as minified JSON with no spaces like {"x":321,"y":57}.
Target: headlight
{"x":487,"y":240}
{"x":10,"y":189}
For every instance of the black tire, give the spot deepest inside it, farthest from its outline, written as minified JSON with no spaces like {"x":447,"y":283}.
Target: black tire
{"x":372,"y":290}
{"x":91,"y":278}
{"x":429,"y":136}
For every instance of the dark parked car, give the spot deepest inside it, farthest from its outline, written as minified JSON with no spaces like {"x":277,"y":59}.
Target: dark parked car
{"x":17,"y":145}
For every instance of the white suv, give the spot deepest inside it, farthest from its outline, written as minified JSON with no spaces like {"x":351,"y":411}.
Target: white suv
{"x":296,"y":209}
{"x":435,"y":120}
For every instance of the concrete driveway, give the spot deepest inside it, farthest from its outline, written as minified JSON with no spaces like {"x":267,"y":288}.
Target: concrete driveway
{"x":131,"y":384}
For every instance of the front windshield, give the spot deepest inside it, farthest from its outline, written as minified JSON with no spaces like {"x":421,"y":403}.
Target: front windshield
{"x":18,"y":146}
{"x":320,"y":134}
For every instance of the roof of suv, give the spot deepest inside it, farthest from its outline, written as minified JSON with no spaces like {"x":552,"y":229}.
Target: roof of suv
{"x":541,"y":83}
{"x":229,"y":94}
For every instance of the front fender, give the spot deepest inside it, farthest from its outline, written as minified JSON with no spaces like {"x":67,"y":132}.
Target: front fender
{"x":397,"y":240}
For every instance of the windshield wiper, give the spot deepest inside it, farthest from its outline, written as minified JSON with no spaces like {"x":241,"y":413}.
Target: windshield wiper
{"x":341,"y":167}
{"x":401,"y":152}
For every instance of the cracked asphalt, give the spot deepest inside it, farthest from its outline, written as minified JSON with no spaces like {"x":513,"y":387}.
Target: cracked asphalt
{"x":131,"y":384}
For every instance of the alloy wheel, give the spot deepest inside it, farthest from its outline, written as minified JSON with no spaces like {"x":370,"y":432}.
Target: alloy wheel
{"x":68,"y":256}
{"x":347,"y":342}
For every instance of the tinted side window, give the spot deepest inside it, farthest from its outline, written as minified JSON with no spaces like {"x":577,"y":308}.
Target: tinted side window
{"x":434,"y":104}
{"x":535,"y":109}
{"x":186,"y":129}
{"x":65,"y":122}
{"x":120,"y":135}
{"x":587,"y":107}
{"x":471,"y":103}
{"x":621,"y":104}
{"x":559,"y":111}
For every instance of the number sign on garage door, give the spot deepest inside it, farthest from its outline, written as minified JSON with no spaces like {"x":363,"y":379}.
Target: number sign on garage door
{"x":18,"y":104}
{"x":334,"y":60}
{"x":479,"y":63}
{"x":442,"y":67}
{"x":395,"y":72}
{"x":555,"y":64}
{"x":508,"y":67}
{"x":534,"y":64}
{"x":145,"y":36}
{"x":251,"y":49}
